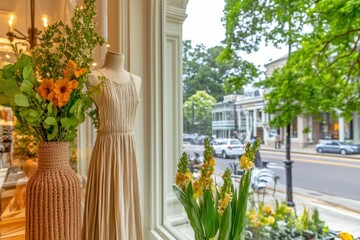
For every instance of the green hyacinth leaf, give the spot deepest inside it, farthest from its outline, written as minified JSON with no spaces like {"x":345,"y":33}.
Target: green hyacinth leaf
{"x":208,"y":215}
{"x":225,"y":224}
{"x":194,"y":212}
{"x":242,"y":203}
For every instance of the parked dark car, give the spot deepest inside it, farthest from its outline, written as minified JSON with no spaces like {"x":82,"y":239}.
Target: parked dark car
{"x":190,"y":138}
{"x":337,"y":147}
{"x":199,"y":140}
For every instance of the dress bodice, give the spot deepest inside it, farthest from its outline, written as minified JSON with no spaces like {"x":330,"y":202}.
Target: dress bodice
{"x":118,"y":107}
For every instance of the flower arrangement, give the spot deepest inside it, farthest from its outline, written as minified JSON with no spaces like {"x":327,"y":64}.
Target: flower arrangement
{"x":45,"y":89}
{"x":215,"y":212}
{"x":282,"y":222}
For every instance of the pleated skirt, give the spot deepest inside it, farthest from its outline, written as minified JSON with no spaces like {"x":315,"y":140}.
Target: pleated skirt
{"x":112,"y":200}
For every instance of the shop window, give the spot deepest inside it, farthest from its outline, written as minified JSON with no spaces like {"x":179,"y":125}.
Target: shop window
{"x":230,"y":116}
{"x":294,"y":128}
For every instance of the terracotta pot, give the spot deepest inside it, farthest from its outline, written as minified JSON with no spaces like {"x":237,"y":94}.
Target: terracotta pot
{"x":53,"y":196}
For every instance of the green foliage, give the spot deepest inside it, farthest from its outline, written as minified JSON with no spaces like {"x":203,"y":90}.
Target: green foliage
{"x":249,"y":23}
{"x":197,"y":110}
{"x":62,"y":42}
{"x":62,"y":60}
{"x":282,"y":223}
{"x":212,"y":212}
{"x":202,"y":72}
{"x":322,"y":74}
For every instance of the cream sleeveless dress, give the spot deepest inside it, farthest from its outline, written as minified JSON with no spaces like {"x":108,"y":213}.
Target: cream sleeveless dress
{"x":112,"y":201}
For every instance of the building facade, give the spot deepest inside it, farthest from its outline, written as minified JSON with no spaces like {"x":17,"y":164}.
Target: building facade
{"x":245,"y":115}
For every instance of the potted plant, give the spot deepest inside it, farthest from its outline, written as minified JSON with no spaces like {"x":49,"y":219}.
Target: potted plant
{"x":215,"y":212}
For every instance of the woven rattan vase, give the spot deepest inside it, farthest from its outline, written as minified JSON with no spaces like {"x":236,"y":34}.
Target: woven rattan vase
{"x":53,"y":196}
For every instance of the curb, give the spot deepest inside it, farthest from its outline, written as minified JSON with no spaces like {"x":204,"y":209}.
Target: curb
{"x":323,"y":199}
{"x":314,"y":153}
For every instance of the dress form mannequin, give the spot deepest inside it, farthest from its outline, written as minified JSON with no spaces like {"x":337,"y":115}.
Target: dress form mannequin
{"x":114,"y":69}
{"x":112,"y":198}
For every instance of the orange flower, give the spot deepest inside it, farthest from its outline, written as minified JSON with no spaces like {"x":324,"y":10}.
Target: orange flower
{"x":67,"y":73}
{"x":74,"y":84}
{"x":63,"y":88}
{"x":46,"y":88}
{"x":72,"y":66}
{"x":79,"y":72}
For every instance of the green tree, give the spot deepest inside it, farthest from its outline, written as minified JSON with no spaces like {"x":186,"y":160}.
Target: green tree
{"x":250,"y":23}
{"x":197,"y":111}
{"x":322,"y":74}
{"x":325,"y":69}
{"x":202,"y":72}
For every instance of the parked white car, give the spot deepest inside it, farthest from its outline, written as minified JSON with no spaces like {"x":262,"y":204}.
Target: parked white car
{"x":228,"y":147}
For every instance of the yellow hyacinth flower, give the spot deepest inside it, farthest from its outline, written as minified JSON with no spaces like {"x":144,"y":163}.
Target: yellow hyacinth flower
{"x":246,"y":163}
{"x":267,"y":209}
{"x":183,"y":175}
{"x":225,"y":191}
{"x":197,"y":190}
{"x":345,"y":236}
{"x":270,"y":220}
{"x":212,"y":162}
{"x":224,"y":202}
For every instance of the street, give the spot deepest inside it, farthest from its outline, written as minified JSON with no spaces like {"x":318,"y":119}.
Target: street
{"x":328,"y":174}
{"x":332,"y":175}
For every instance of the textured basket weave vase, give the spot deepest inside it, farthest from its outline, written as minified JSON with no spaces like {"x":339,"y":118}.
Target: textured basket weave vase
{"x":53,"y":196}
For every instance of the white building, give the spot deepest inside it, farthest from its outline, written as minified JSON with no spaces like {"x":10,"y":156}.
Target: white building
{"x":251,"y":120}
{"x":328,"y":127}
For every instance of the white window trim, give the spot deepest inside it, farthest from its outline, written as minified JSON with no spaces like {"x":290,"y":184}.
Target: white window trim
{"x":150,"y":36}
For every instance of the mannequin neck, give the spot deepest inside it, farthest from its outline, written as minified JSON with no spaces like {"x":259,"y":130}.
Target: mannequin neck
{"x":114,"y":62}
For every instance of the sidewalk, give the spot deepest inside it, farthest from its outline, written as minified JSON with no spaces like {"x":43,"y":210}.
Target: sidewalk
{"x":340,"y":214}
{"x":310,"y":149}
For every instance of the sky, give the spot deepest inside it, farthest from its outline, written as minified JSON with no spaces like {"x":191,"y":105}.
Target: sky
{"x":204,"y":25}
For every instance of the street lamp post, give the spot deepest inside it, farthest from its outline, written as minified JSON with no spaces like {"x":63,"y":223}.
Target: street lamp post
{"x":193,"y":116}
{"x":233,"y":101}
{"x":288,"y":167}
{"x":235,"y":118}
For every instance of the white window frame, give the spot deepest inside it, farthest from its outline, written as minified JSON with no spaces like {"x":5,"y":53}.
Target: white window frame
{"x":149,"y":33}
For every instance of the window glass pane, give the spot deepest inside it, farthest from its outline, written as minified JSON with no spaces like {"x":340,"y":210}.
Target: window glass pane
{"x":294,"y":128}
